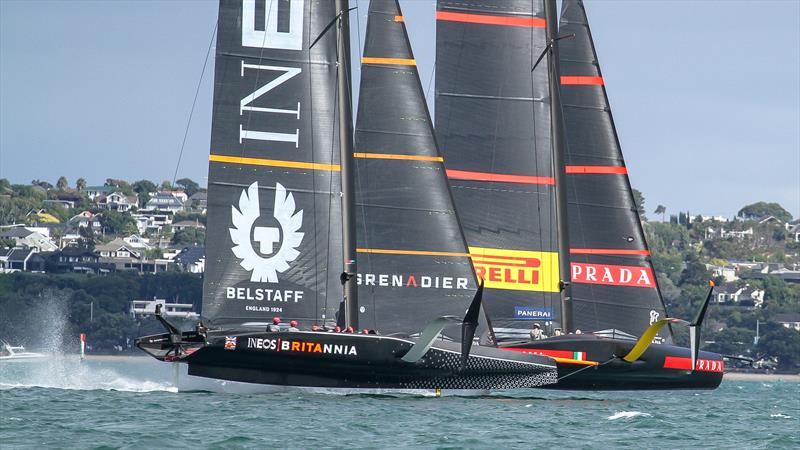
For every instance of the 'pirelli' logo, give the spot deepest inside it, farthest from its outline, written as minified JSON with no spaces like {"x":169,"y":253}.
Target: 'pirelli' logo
{"x":520,"y":270}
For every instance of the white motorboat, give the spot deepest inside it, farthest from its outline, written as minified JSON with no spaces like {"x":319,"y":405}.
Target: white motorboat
{"x":9,"y":352}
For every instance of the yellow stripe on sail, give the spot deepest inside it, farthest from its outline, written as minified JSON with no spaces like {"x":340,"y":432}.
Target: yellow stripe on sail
{"x":398,"y":61}
{"x":395,"y":156}
{"x":274,"y":163}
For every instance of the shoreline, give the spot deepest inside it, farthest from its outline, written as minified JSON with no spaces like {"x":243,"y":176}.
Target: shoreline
{"x":745,"y":376}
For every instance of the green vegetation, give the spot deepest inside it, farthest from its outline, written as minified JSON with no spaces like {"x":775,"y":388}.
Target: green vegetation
{"x":96,"y":305}
{"x":761,"y":210}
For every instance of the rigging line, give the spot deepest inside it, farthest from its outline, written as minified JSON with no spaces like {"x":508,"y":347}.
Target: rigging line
{"x":313,"y":178}
{"x":332,"y":198}
{"x":587,"y":367}
{"x":547,"y":298}
{"x":194,"y":102}
{"x":358,"y":174}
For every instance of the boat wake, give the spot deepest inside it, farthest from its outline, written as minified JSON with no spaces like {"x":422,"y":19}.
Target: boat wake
{"x":70,"y":374}
{"x":627,"y":415}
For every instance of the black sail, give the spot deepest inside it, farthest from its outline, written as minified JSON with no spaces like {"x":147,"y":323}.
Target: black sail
{"x":274,"y":224}
{"x":613,"y":280}
{"x":413,"y":261}
{"x":493,"y":126}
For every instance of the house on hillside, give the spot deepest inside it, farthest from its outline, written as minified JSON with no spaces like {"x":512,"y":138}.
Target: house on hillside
{"x":125,"y":256}
{"x":729,"y":273}
{"x":163,"y":201}
{"x":22,"y":259}
{"x":24,"y":237}
{"x":788,"y":320}
{"x":180,"y":195}
{"x":81,"y":260}
{"x":745,"y":296}
{"x":192,"y":259}
{"x":117,"y":201}
{"x":778,"y":270}
{"x":184,"y":224}
{"x":771,"y":219}
{"x":118,"y":248}
{"x":66,"y":204}
{"x":793,"y":228}
{"x":712,"y":233}
{"x":93,"y":192}
{"x":198,"y":201}
{"x":138,"y":242}
{"x":151,"y":222}
{"x":86,"y":219}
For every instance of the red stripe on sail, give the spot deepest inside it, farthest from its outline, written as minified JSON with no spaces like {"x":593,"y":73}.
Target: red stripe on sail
{"x":509,"y":21}
{"x":608,"y":251}
{"x":597,"y":169}
{"x":498,"y":177}
{"x":595,"y":81}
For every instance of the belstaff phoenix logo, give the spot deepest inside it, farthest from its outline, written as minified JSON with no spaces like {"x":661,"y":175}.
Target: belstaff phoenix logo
{"x":266,"y":263}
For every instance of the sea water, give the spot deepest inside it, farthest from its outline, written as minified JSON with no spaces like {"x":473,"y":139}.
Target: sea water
{"x":132,"y":403}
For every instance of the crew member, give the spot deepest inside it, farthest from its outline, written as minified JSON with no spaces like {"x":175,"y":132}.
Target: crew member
{"x":557,"y":332}
{"x":201,"y":329}
{"x":349,"y":329}
{"x":315,"y":327}
{"x":293,"y":326}
{"x":536,"y":333}
{"x":276,"y":324}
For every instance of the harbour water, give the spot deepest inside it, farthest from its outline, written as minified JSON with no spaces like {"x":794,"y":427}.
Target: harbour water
{"x":132,"y":403}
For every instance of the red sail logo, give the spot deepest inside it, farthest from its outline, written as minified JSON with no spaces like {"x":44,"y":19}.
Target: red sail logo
{"x":613,"y":275}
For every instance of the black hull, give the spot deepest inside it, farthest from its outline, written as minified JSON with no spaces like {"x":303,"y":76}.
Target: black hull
{"x":340,"y":360}
{"x":661,"y":367}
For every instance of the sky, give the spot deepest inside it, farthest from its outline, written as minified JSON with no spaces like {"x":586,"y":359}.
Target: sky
{"x":705,"y":94}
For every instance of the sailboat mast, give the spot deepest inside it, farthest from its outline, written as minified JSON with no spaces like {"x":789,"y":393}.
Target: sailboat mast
{"x":346,"y":148}
{"x":559,"y":149}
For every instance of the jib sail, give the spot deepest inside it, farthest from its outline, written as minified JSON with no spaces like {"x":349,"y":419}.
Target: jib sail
{"x":274,"y":223}
{"x":493,"y":126}
{"x":613,"y":282}
{"x":413,"y":260}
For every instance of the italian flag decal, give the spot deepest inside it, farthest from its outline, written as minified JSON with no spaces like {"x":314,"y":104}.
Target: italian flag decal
{"x":580,"y":356}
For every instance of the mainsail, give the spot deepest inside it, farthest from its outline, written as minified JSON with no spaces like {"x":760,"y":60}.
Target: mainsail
{"x":413,"y":261}
{"x":613,"y":280}
{"x":493,"y":126}
{"x":274,"y":225}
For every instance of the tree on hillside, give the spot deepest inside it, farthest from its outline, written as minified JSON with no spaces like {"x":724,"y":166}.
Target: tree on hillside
{"x":760,"y":210}
{"x":189,"y":236}
{"x":189,"y":186}
{"x":661,"y":209}
{"x":118,"y":223}
{"x":62,"y":183}
{"x":122,"y":185}
{"x":166,"y":185}
{"x":695,"y":272}
{"x":638,"y":199}
{"x":80,"y":184}
{"x":42,"y":184}
{"x":782,"y":343}
{"x":144,"y":186}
